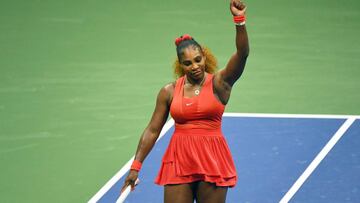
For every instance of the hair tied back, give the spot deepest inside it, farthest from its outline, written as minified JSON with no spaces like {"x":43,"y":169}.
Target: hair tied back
{"x":182,"y":38}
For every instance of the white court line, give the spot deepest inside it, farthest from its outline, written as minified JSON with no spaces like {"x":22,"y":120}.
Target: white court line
{"x":125,"y":168}
{"x":308,"y":171}
{"x":170,"y":123}
{"x":269,"y":115}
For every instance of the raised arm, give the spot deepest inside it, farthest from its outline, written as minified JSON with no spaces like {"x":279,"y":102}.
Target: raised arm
{"x":152,"y":131}
{"x":236,"y":64}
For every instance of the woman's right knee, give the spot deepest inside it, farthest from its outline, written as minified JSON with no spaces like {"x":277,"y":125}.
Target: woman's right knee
{"x":178,"y":193}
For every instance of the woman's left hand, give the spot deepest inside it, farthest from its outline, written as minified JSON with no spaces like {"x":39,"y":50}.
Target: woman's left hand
{"x":237,"y":7}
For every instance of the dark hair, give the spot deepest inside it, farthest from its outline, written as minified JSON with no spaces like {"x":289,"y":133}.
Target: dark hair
{"x":186,"y":41}
{"x":184,"y":44}
{"x":210,"y":63}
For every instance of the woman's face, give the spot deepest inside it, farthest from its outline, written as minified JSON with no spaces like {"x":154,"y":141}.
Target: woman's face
{"x":193,"y":62}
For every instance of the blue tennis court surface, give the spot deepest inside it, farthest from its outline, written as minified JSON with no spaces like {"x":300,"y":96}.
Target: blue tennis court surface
{"x":271,"y":153}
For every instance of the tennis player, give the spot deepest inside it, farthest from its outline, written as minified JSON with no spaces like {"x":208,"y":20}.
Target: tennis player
{"x":197,"y":164}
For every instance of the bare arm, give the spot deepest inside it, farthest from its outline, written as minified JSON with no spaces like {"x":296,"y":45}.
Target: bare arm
{"x":236,"y":64}
{"x":152,"y":131}
{"x":225,"y":78}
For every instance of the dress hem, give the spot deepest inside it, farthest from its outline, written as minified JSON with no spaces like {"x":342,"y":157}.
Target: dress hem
{"x":195,"y":180}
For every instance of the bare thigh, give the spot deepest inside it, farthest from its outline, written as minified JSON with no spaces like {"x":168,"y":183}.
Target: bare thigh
{"x":179,"y":193}
{"x":210,"y":193}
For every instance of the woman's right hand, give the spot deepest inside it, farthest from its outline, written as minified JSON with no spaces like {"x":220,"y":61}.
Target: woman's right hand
{"x":130,"y":180}
{"x":237,"y":7}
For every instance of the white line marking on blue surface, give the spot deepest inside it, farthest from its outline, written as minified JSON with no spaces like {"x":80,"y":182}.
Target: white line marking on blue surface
{"x":310,"y":169}
{"x":125,"y":168}
{"x":170,"y":123}
{"x":269,"y":115}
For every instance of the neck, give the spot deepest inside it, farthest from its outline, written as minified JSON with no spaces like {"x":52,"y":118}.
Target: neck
{"x":195,"y":82}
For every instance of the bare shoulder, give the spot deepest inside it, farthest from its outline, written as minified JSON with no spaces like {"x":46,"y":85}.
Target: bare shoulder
{"x":170,"y":87}
{"x":166,"y":92}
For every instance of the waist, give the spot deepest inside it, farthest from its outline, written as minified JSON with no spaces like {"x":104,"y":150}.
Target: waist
{"x":180,"y":129}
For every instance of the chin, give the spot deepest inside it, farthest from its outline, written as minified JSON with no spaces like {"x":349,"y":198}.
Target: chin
{"x":199,"y":76}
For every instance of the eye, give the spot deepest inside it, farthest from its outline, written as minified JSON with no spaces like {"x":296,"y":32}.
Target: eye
{"x":198,"y":59}
{"x":187,"y":63}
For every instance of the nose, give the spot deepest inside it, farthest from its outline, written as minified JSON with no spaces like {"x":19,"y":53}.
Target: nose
{"x":195,"y":66}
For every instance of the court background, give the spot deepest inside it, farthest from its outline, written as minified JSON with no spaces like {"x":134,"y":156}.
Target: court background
{"x":78,"y":79}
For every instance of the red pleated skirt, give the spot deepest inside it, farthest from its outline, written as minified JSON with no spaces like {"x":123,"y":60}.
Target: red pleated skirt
{"x":197,"y":155}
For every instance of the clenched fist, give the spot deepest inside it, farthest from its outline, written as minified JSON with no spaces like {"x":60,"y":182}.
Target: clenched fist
{"x":237,"y":7}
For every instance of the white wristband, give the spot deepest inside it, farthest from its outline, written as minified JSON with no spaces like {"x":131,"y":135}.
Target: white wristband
{"x":240,"y":24}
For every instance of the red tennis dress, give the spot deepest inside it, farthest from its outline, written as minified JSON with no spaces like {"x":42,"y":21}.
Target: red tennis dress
{"x":197,"y":150}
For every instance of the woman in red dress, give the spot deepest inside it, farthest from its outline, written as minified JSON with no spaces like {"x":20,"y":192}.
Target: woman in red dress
{"x":197,"y":164}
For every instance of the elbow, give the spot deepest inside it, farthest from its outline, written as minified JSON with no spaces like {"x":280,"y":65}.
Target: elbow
{"x":246,"y":53}
{"x":153,"y":133}
{"x":247,"y":50}
{"x":243,"y":53}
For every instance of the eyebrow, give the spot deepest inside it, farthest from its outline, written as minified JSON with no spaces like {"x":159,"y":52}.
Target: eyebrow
{"x":193,"y":58}
{"x":197,"y":56}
